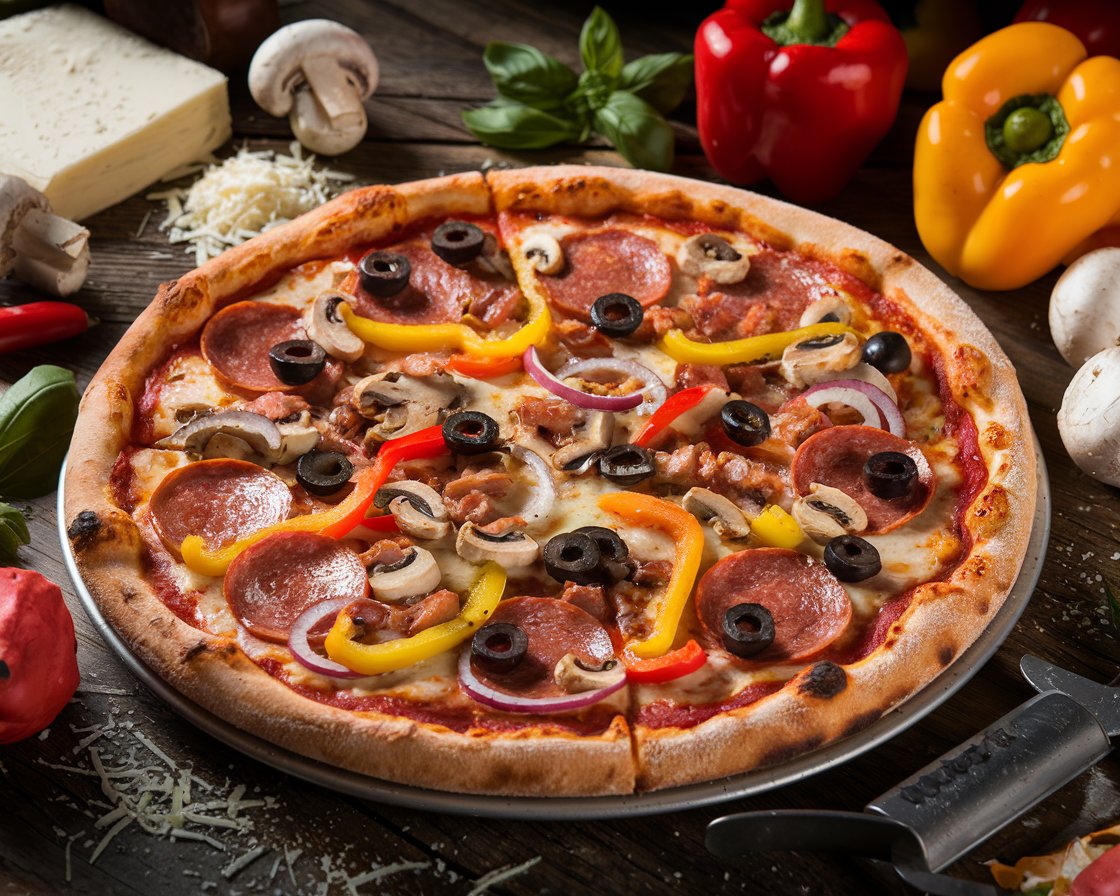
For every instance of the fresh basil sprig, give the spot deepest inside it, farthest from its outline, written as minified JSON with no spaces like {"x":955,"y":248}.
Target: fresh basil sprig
{"x":13,"y":533}
{"x":37,"y":417}
{"x":542,"y":102}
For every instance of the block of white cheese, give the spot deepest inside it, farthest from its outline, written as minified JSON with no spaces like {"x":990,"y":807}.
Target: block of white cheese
{"x":91,"y":114}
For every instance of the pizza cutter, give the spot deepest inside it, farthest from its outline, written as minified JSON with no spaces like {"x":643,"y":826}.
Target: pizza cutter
{"x":956,"y":802}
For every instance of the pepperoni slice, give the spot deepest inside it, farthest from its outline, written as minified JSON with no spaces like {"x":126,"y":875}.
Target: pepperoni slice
{"x":219,"y":500}
{"x":236,"y":341}
{"x":835,"y":457}
{"x":273,"y":582}
{"x":810,"y":607}
{"x":437,"y":293}
{"x":554,"y":628}
{"x":598,"y":262}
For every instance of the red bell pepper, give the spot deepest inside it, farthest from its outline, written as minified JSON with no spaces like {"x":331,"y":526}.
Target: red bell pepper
{"x":670,"y":666}
{"x":800,"y":97}
{"x":1096,"y":23}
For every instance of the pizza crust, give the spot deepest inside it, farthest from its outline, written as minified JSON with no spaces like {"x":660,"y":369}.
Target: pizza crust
{"x":804,"y":715}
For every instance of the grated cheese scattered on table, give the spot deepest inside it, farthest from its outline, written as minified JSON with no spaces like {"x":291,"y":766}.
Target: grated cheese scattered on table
{"x":243,"y":197}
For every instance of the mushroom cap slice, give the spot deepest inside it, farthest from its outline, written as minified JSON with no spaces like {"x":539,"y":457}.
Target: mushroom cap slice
{"x":727,"y":519}
{"x":511,"y":550}
{"x":1085,"y":306}
{"x":594,"y":434}
{"x":812,"y":360}
{"x":418,"y":508}
{"x":826,"y":513}
{"x":417,"y":573}
{"x":327,"y":328}
{"x":260,"y":433}
{"x":576,"y":678}
{"x":1089,"y":419}
{"x":715,"y":257}
{"x":17,"y":198}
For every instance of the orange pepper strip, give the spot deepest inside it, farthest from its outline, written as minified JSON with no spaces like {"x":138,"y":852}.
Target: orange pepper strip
{"x":483,"y":368}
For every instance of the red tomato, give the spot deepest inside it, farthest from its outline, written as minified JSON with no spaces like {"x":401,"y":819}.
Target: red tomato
{"x":1102,"y":878}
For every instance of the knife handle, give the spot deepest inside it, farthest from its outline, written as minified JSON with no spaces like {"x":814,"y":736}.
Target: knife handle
{"x":957,"y":802}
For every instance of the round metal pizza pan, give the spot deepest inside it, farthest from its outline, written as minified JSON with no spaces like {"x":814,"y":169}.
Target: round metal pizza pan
{"x":575,"y":808}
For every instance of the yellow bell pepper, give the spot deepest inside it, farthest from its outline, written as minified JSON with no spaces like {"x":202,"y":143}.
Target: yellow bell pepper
{"x":433,"y":337}
{"x":743,"y":351}
{"x":1021,"y":160}
{"x":388,"y":656}
{"x":643,"y":510}
{"x":776,"y":529}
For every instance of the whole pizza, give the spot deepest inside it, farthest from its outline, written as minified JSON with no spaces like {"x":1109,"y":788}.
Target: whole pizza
{"x":552,"y":481}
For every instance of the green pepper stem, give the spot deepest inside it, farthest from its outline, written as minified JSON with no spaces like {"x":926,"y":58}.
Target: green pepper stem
{"x":808,"y":20}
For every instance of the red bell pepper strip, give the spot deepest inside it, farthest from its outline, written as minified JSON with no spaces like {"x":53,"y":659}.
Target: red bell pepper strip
{"x":670,"y":410}
{"x":483,"y":368}
{"x":799,"y":98}
{"x":659,"y":669}
{"x":1096,"y":23}
{"x":37,"y":323}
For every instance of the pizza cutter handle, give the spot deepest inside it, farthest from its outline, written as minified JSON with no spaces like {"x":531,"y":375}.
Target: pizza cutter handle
{"x":959,"y":801}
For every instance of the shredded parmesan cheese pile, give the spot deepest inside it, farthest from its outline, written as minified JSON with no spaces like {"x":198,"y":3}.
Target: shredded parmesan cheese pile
{"x":243,"y":197}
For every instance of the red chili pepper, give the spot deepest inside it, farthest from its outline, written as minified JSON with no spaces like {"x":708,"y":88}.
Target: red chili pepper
{"x":672,"y":665}
{"x":37,"y":323}
{"x":1096,"y":23}
{"x":483,"y":368}
{"x":38,"y":668}
{"x":775,"y":97}
{"x":670,"y":410}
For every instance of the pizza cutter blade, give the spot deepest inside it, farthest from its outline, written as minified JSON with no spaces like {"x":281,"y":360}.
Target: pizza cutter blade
{"x":954,"y":804}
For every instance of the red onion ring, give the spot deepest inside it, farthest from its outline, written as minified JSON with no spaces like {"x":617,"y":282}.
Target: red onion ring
{"x":655,"y":391}
{"x":496,"y":699}
{"x":868,"y":400}
{"x":301,"y":649}
{"x":552,"y":382}
{"x":539,"y":507}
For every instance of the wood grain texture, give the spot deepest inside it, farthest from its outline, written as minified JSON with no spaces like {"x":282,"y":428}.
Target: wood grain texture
{"x":431,"y":69}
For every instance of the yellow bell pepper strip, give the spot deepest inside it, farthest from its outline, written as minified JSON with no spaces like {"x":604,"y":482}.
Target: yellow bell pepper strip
{"x":388,"y":656}
{"x":1018,"y":164}
{"x":337,"y":522}
{"x":684,"y":528}
{"x":743,"y":351}
{"x":433,"y":337}
{"x":776,"y":529}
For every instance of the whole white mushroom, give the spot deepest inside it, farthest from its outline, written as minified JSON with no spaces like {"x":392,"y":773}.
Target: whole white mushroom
{"x":1089,"y":419}
{"x":1085,"y":306}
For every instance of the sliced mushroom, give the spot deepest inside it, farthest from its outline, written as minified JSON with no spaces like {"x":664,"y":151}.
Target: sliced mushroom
{"x":494,"y":259}
{"x":418,"y":509}
{"x":543,"y":253}
{"x":297,"y":437}
{"x":224,"y":445}
{"x":830,"y":309}
{"x":726,"y":518}
{"x":710,"y":255}
{"x":510,"y":550}
{"x":576,"y":678}
{"x":326,"y":327}
{"x":260,"y":433}
{"x":415,"y":573}
{"x":318,"y":71}
{"x":402,"y":404}
{"x":40,"y":248}
{"x":1089,"y":419}
{"x":827,"y":512}
{"x":805,"y":363}
{"x":594,"y":434}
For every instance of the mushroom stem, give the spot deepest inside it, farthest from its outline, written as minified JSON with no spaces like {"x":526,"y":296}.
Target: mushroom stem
{"x":52,"y":253}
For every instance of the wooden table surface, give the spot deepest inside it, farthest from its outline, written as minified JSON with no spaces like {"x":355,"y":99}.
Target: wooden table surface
{"x":291,"y":836}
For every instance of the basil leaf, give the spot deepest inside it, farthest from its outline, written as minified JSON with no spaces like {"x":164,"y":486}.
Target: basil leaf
{"x":13,"y":519}
{"x":37,"y":417}
{"x":661,"y":80}
{"x":600,"y":46}
{"x":517,"y":126}
{"x":11,"y":538}
{"x":637,"y":131}
{"x":525,"y":74}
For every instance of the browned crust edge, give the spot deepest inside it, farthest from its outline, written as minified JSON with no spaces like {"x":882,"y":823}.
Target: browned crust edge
{"x":217,"y":675}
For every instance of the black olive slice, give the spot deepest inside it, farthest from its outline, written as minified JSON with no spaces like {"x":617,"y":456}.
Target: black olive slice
{"x":572,"y":557}
{"x":323,"y":472}
{"x":499,"y":646}
{"x":717,"y":248}
{"x":616,"y":564}
{"x":745,"y":423}
{"x":851,"y":558}
{"x":470,"y":432}
{"x":384,"y":274}
{"x":887,"y":351}
{"x":748,"y":629}
{"x":296,"y":361}
{"x":626,"y":464}
{"x":458,"y":242}
{"x":616,"y":314}
{"x":890,"y":474}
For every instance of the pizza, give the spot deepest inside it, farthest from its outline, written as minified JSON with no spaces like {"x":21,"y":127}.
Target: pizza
{"x":552,"y":481}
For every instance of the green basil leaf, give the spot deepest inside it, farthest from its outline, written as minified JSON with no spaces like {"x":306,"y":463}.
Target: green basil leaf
{"x":600,"y":46}
{"x":516,"y":126}
{"x":14,"y":520}
{"x":661,"y":80}
{"x":525,"y":74}
{"x":12,"y":537}
{"x":37,"y":417}
{"x":637,"y":131}
{"x":594,"y":90}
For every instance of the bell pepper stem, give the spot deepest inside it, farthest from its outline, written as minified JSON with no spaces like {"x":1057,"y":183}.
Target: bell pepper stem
{"x":808,"y":20}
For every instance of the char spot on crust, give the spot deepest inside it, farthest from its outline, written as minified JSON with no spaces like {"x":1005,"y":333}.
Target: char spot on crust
{"x":180,"y":301}
{"x":83,"y":527}
{"x":760,"y":230}
{"x":982,"y":607}
{"x":194,"y":650}
{"x":785,"y":752}
{"x":859,"y":266}
{"x":945,"y":654}
{"x":973,"y":374}
{"x":858,"y":723}
{"x":997,"y":436}
{"x":991,"y":511}
{"x":824,"y":679}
